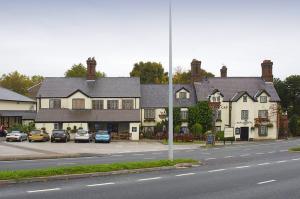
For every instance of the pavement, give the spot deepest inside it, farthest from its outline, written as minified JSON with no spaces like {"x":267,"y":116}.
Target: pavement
{"x":257,"y":170}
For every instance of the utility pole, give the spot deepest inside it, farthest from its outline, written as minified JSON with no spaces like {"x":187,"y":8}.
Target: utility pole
{"x":170,"y":140}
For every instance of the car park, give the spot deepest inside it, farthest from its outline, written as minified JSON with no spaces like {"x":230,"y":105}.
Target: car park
{"x":82,"y":135}
{"x":60,"y":136}
{"x":16,"y":136}
{"x":102,"y":136}
{"x":38,"y":135}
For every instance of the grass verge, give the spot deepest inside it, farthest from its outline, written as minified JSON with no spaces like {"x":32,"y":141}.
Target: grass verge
{"x":67,"y":170}
{"x":295,"y":149}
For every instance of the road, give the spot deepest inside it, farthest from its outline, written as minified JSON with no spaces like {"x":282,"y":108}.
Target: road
{"x":219,"y":155}
{"x":247,"y":171}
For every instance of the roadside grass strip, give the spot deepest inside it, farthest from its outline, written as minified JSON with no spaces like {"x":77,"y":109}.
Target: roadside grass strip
{"x":84,"y":169}
{"x":295,"y":149}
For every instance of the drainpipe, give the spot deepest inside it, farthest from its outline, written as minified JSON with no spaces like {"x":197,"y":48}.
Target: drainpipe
{"x":230,"y":109}
{"x":40,"y":102}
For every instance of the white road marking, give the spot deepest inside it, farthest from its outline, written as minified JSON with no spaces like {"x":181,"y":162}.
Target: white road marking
{"x":260,"y":153}
{"x":149,"y":158}
{"x":66,"y":163}
{"x":281,"y":161}
{"x":103,"y":184}
{"x":210,"y":158}
{"x":284,"y":150}
{"x":43,"y":190}
{"x":262,"y":164}
{"x":138,"y":154}
{"x":272,"y":152}
{"x":241,"y":167}
{"x":296,"y":159}
{"x":117,"y":155}
{"x":216,"y":170}
{"x":244,"y":155}
{"x":206,"y":153}
{"x":185,"y":174}
{"x":264,"y":182}
{"x":147,"y":179}
{"x":228,"y":156}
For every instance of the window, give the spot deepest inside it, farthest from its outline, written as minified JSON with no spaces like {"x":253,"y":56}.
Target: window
{"x":237,"y":131}
{"x":263,"y":130}
{"x":182,"y":95}
{"x":134,"y":129}
{"x":218,"y":128}
{"x":244,"y":115}
{"x":149,"y":113}
{"x":58,"y":126}
{"x":184,"y":115}
{"x":263,"y":113}
{"x":214,"y":99}
{"x":219,"y":114}
{"x":78,"y":103}
{"x":263,"y":99}
{"x":218,"y":99}
{"x":112,"y":104}
{"x":55,"y":103}
{"x":245,"y":98}
{"x":127,"y":104}
{"x":97,"y":104}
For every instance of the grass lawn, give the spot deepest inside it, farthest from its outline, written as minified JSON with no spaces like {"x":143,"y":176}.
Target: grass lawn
{"x":295,"y":149}
{"x":184,"y":143}
{"x":21,"y":174}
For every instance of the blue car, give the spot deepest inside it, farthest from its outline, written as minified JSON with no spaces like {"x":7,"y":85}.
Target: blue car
{"x":102,"y":136}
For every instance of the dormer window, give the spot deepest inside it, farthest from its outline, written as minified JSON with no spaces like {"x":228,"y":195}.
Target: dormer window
{"x":182,"y":95}
{"x":263,"y":99}
{"x":78,"y":103}
{"x":54,"y":103}
{"x":218,"y":99}
{"x":214,"y":99}
{"x":245,"y":98}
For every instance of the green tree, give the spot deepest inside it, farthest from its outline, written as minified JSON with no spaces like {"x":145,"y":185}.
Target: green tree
{"x":177,"y":129}
{"x":197,"y":129}
{"x":16,"y":82}
{"x":79,"y":70}
{"x":200,"y":113}
{"x":293,"y":87}
{"x":281,"y":89}
{"x":176,"y":116}
{"x":149,"y":72}
{"x":184,"y":77}
{"x":294,"y":125}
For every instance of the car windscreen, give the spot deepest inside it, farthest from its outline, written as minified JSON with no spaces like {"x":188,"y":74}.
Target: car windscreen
{"x":35,"y":132}
{"x":15,"y":132}
{"x":102,"y":133}
{"x":82,"y":132}
{"x":58,"y":132}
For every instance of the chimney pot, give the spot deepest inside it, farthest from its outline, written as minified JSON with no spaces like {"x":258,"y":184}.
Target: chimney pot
{"x":223,"y":71}
{"x":267,"y":70}
{"x":196,"y":75}
{"x":91,"y":69}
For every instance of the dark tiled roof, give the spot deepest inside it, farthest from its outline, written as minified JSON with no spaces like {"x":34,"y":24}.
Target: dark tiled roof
{"x":232,"y":86}
{"x":156,"y":95}
{"x":9,"y":95}
{"x":26,"y":115}
{"x":102,"y":87}
{"x":67,"y":115}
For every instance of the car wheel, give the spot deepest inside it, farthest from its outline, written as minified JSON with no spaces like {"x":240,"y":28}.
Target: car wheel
{"x":29,"y":140}
{"x":52,"y":140}
{"x":66,"y":140}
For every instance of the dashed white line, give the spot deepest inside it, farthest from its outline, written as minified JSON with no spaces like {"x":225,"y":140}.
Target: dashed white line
{"x":210,"y":158}
{"x":185,"y":174}
{"x":216,"y":170}
{"x":147,"y":179}
{"x":284,"y":150}
{"x":281,"y":161}
{"x":102,"y":184}
{"x":295,"y":159}
{"x":138,"y":154}
{"x":242,"y":167}
{"x":264,"y":182}
{"x":272,"y":152}
{"x":228,"y":156}
{"x":265,"y":163}
{"x":244,"y":155}
{"x":260,"y":153}
{"x":43,"y":190}
{"x":117,"y":155}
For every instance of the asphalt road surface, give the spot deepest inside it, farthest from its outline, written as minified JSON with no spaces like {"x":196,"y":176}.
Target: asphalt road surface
{"x":253,"y":171}
{"x":256,"y":170}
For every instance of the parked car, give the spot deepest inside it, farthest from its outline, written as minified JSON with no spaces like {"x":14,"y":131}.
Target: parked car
{"x":102,"y":136}
{"x":16,"y":136}
{"x":82,"y":135}
{"x":60,"y":135}
{"x":38,"y":135}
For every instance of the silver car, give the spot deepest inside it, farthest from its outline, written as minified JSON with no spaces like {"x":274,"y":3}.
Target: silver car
{"x":83,"y":135}
{"x":16,"y":136}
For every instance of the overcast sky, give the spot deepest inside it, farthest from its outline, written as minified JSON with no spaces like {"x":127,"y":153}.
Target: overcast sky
{"x":48,"y":37}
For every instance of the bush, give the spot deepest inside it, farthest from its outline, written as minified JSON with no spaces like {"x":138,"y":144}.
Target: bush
{"x":23,"y":127}
{"x":294,"y":125}
{"x":220,"y":136}
{"x":177,"y":129}
{"x":197,"y":129}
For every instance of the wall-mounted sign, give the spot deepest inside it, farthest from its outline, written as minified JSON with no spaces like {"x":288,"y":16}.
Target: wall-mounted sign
{"x":228,"y":132}
{"x":237,"y":131}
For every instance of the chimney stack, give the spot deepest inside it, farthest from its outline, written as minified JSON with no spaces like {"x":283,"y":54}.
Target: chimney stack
{"x":223,"y":71}
{"x":91,"y":69}
{"x":266,"y":68}
{"x":196,"y":71}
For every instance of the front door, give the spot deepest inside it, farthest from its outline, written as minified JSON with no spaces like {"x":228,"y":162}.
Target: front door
{"x":244,"y":133}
